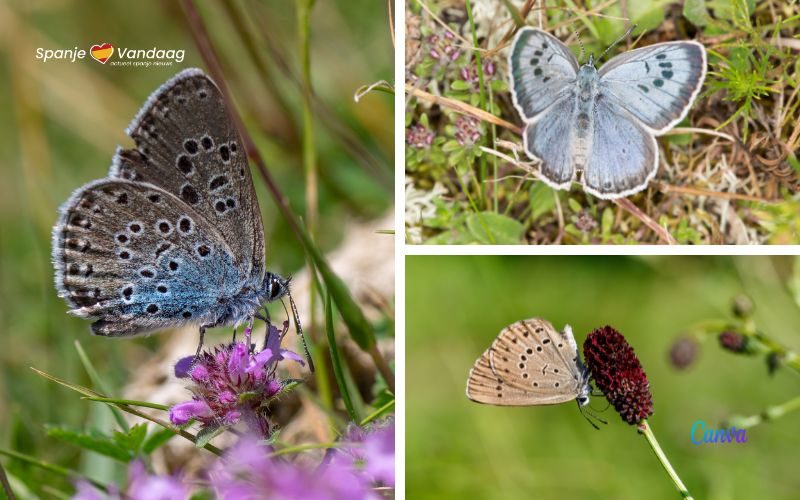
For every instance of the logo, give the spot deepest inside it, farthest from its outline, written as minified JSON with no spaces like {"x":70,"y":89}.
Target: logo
{"x":706,"y":435}
{"x":115,"y":56}
{"x":102,"y":53}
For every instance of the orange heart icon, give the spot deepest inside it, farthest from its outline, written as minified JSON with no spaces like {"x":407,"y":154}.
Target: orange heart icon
{"x":102,"y":53}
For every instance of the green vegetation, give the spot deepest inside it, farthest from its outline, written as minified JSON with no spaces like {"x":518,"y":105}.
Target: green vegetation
{"x":456,"y":305}
{"x":728,"y":173}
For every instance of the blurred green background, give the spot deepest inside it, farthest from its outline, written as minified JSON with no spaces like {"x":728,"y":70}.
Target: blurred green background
{"x":60,"y":123}
{"x":456,"y":305}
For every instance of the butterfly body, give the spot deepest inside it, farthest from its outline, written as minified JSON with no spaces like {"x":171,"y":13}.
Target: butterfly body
{"x":173,"y":235}
{"x":600,"y":123}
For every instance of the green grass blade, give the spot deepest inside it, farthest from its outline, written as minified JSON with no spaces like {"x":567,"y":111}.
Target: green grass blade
{"x":336,"y":360}
{"x":98,"y":382}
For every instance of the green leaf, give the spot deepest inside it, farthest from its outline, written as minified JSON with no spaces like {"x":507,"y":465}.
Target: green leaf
{"x":460,"y":85}
{"x":541,"y":199}
{"x":206,"y":434}
{"x":574,"y":205}
{"x":92,"y":440}
{"x":696,"y":12}
{"x":156,"y":440}
{"x":133,"y":439}
{"x":451,"y":145}
{"x":607,"y":221}
{"x":499,"y":86}
{"x":494,"y":229}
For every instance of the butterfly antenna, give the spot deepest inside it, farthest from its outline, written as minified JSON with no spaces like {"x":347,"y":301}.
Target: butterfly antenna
{"x":623,"y":37}
{"x":300,"y":330}
{"x":580,"y":42}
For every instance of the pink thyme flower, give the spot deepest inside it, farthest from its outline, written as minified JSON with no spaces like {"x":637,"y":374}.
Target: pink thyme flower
{"x":373,"y":452}
{"x":443,"y":48}
{"x":468,"y":130}
{"x":247,"y":471}
{"x":419,"y":137}
{"x":232,"y":384}
{"x":141,"y":486}
{"x":617,"y":372}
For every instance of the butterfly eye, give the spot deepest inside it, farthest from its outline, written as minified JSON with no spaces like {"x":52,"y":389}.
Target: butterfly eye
{"x":277,"y":289}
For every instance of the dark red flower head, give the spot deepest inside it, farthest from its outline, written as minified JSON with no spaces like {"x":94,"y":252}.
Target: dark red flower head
{"x":617,"y":372}
{"x":683,"y":352}
{"x":733,"y":341}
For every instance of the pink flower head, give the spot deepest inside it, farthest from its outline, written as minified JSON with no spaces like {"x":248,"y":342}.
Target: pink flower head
{"x":232,"y":383}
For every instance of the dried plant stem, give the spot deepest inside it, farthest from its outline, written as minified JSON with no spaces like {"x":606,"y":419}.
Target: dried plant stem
{"x":649,"y":222}
{"x":644,"y":428}
{"x":462,"y":108}
{"x":4,"y":481}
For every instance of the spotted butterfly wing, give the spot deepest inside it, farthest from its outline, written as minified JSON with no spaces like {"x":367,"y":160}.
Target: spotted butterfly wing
{"x":542,"y":71}
{"x":187,"y":144}
{"x":174,"y":232}
{"x":529,"y":363}
{"x":656,"y":84}
{"x":133,"y":275}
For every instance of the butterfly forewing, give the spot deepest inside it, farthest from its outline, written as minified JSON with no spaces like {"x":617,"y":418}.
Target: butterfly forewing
{"x":542,"y":71}
{"x":138,"y":258}
{"x":656,"y":84}
{"x":187,"y":144}
{"x":532,"y":356}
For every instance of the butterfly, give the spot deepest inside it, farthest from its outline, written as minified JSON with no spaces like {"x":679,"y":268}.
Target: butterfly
{"x":530,"y":363}
{"x":173,"y":235}
{"x":601,"y":123}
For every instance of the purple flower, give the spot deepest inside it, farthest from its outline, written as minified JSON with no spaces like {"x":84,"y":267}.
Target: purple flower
{"x":419,"y":137}
{"x":141,"y":486}
{"x":247,"y":471}
{"x":153,"y":487}
{"x":232,"y":384}
{"x":468,"y":130}
{"x":378,"y":455}
{"x":443,"y":48}
{"x":470,"y":75}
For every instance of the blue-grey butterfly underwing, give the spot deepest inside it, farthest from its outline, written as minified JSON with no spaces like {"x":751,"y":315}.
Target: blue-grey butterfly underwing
{"x":602,"y":123}
{"x":173,"y":234}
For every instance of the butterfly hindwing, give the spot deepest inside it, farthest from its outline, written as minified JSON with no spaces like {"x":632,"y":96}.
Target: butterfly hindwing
{"x":656,"y":84}
{"x":550,"y":140}
{"x":485,"y":386}
{"x":138,"y":258}
{"x":187,"y":144}
{"x":542,"y":71}
{"x":623,"y":157}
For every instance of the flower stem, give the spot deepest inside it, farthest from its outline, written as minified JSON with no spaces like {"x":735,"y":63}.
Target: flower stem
{"x":644,"y":428}
{"x":6,"y":486}
{"x":771,"y":413}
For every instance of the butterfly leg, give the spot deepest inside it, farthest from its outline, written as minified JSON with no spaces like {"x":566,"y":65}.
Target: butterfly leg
{"x":202,"y":337}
